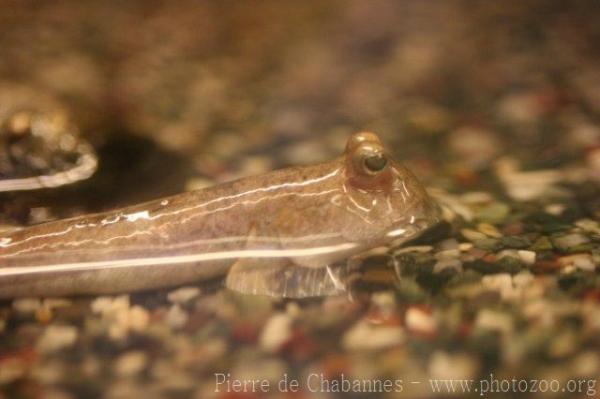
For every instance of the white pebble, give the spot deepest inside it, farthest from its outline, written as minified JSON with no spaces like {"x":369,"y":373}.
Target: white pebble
{"x":452,"y":366}
{"x":444,"y":264}
{"x":527,"y":257}
{"x":414,"y":248}
{"x":176,"y":317}
{"x":420,"y":321}
{"x":502,"y":283}
{"x":580,"y":261}
{"x":276,"y":331}
{"x":366,"y":336}
{"x":477,"y":197}
{"x":293,"y":310}
{"x":588,"y":225}
{"x":384,"y":299}
{"x":465,"y":246}
{"x":555,"y":209}
{"x":198,"y":183}
{"x":570,"y":240}
{"x":26,"y":305}
{"x":106,"y":304}
{"x":472,"y":235}
{"x":452,"y":206}
{"x":57,"y":337}
{"x":493,"y":320}
{"x":449,"y":243}
{"x":121,"y":318}
{"x":138,"y":318}
{"x":131,"y":363}
{"x":448,"y":254}
{"x":526,"y":186}
{"x":523,"y":279}
{"x":183,"y":294}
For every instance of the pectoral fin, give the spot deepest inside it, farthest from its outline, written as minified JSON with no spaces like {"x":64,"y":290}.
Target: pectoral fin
{"x":281,"y":278}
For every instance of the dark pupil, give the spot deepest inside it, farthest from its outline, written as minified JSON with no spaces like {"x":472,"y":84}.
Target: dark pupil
{"x":375,"y":163}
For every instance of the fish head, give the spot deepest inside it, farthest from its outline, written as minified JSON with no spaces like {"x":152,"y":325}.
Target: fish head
{"x":386,"y":199}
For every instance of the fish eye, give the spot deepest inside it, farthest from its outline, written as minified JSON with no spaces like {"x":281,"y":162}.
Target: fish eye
{"x":369,"y":160}
{"x":375,"y":163}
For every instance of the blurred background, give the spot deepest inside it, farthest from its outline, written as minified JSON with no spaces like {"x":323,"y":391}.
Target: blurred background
{"x":494,"y":104}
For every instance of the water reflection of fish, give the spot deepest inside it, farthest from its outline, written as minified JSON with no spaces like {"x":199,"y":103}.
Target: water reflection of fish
{"x":276,"y":234}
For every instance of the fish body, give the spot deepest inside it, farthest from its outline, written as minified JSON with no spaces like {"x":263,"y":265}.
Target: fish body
{"x":289,"y":224}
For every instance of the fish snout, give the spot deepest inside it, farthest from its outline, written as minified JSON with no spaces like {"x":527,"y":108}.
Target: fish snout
{"x":421,"y":218}
{"x":427,"y":215}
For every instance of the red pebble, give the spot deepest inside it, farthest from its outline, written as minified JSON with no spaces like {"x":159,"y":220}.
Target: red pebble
{"x":299,"y":346}
{"x":245,"y":332}
{"x":491,"y":258}
{"x":513,"y":229}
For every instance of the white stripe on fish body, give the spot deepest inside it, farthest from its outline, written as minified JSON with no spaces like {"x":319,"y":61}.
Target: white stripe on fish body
{"x":177,"y":259}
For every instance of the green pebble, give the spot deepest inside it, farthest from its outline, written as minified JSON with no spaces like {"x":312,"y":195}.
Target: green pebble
{"x":580,"y":248}
{"x":576,"y":282}
{"x":493,"y":213}
{"x":509,"y":264}
{"x":434,"y":282}
{"x":596,"y":256}
{"x":489,"y":244}
{"x":554,"y":227}
{"x":542,"y":244}
{"x":515,"y":242}
{"x":408,"y":290}
{"x":483,"y":267}
{"x":469,"y":276}
{"x":571,"y":242}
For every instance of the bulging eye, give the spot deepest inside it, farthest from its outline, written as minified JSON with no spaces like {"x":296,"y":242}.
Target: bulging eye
{"x":375,"y":163}
{"x":369,"y":159}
